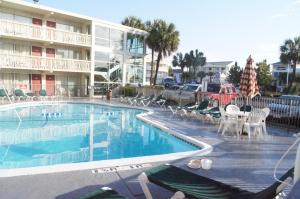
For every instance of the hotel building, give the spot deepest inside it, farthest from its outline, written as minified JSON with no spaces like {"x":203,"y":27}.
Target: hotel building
{"x":66,"y":54}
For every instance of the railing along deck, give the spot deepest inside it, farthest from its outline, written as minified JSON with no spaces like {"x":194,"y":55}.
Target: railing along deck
{"x":12,"y":28}
{"x":283,"y":111}
{"x":43,"y":63}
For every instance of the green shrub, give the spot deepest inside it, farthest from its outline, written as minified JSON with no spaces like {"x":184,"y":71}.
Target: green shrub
{"x":129,"y":91}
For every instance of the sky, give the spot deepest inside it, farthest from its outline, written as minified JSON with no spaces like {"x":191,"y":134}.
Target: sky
{"x":224,"y":30}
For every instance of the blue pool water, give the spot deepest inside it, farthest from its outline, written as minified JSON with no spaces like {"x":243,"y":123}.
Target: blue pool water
{"x":70,"y":133}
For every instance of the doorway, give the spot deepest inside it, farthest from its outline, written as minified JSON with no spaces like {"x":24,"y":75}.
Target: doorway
{"x":36,"y":83}
{"x":50,"y":85}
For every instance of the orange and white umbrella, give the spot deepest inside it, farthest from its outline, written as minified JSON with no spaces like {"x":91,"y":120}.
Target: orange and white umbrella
{"x":248,"y":84}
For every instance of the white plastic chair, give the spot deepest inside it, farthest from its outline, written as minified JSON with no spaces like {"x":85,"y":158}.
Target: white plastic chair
{"x":267,"y":112}
{"x":232,"y":109}
{"x":229,"y":122}
{"x":255,"y":121}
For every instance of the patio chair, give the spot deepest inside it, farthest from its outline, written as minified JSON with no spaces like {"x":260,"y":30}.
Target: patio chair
{"x":156,"y":99}
{"x":132,"y":101}
{"x":146,"y":101}
{"x":173,"y":111}
{"x":190,"y":185}
{"x":3,"y":95}
{"x":232,"y":109}
{"x":213,"y":114}
{"x":267,"y":112}
{"x":20,"y":95}
{"x":103,"y":193}
{"x":196,"y":112}
{"x":254,"y":121}
{"x":229,"y":122}
{"x":43,"y":94}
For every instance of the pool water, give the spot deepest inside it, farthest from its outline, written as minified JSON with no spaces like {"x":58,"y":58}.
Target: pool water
{"x":73,"y":132}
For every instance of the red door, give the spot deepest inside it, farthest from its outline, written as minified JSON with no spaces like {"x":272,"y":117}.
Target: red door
{"x":37,"y":21}
{"x":51,"y":24}
{"x":36,"y":82}
{"x":37,"y":29}
{"x":37,"y":52}
{"x":50,"y":31}
{"x":50,"y":85}
{"x":50,"y":52}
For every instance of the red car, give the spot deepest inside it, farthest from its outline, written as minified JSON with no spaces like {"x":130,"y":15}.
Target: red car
{"x":222,"y":93}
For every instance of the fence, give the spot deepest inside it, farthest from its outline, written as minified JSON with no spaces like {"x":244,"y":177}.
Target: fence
{"x":284,"y":111}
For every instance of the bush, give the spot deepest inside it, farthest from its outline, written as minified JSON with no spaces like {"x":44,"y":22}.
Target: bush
{"x":159,"y":87}
{"x":129,"y":91}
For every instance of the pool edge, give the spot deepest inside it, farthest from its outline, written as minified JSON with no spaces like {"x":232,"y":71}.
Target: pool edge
{"x":205,"y":148}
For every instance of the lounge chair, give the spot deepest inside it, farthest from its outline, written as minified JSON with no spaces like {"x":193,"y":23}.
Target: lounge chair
{"x":132,"y":101}
{"x":43,"y":94}
{"x":3,"y":95}
{"x":190,"y":185}
{"x":146,"y":101}
{"x":103,"y":193}
{"x":20,"y":95}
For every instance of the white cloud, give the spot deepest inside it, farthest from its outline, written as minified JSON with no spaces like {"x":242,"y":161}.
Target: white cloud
{"x":297,"y":2}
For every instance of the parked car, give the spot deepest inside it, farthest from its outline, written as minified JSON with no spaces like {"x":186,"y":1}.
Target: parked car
{"x":285,"y":106}
{"x":175,"y":87}
{"x":168,"y":82}
{"x":191,"y":87}
{"x":222,"y":93}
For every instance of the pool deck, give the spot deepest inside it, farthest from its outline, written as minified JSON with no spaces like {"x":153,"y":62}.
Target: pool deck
{"x":239,"y":162}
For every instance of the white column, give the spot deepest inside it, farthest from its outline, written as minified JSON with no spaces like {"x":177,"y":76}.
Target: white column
{"x":144,"y":70}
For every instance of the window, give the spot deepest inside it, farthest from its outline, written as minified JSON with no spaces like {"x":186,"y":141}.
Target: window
{"x":110,"y":38}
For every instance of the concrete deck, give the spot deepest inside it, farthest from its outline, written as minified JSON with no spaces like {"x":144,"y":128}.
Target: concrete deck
{"x":248,"y":165}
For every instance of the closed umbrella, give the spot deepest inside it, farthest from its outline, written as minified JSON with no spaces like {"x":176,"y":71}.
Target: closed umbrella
{"x":248,"y":84}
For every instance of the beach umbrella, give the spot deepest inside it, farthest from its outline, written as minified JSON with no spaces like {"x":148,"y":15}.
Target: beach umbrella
{"x":248,"y":84}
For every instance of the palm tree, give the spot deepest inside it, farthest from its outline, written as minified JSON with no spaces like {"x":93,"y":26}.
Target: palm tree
{"x":201,"y":75}
{"x":151,"y":43}
{"x":167,"y":41}
{"x":195,"y":60}
{"x":290,"y":54}
{"x":179,"y":60}
{"x":133,"y":22}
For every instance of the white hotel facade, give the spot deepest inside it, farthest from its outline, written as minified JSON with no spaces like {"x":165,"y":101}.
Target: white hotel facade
{"x":42,"y":48}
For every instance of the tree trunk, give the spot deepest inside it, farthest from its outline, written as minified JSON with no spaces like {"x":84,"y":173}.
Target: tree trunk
{"x":292,"y":78}
{"x":157,"y":66}
{"x":152,"y":64}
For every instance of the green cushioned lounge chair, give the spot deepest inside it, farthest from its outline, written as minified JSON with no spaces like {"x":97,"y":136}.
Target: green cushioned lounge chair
{"x":103,"y":193}
{"x":190,"y":185}
{"x":20,"y":94}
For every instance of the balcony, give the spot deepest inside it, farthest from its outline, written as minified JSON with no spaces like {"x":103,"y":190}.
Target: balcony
{"x":43,"y":63}
{"x":34,"y":32}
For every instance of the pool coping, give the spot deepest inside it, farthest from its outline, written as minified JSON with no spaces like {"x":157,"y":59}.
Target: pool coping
{"x":68,"y":167}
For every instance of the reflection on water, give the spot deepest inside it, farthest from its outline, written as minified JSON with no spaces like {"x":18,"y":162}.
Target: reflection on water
{"x":81,"y":133}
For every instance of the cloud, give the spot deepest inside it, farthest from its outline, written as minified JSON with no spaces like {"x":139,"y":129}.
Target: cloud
{"x":297,"y":2}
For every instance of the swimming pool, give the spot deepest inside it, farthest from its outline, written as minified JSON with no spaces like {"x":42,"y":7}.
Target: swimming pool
{"x":62,"y":133}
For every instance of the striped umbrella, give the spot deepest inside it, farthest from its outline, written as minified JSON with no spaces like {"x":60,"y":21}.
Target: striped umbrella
{"x":248,"y":84}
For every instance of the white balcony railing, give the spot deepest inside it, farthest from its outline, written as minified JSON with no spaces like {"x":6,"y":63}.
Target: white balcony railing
{"x":12,"y":28}
{"x":43,"y":63}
